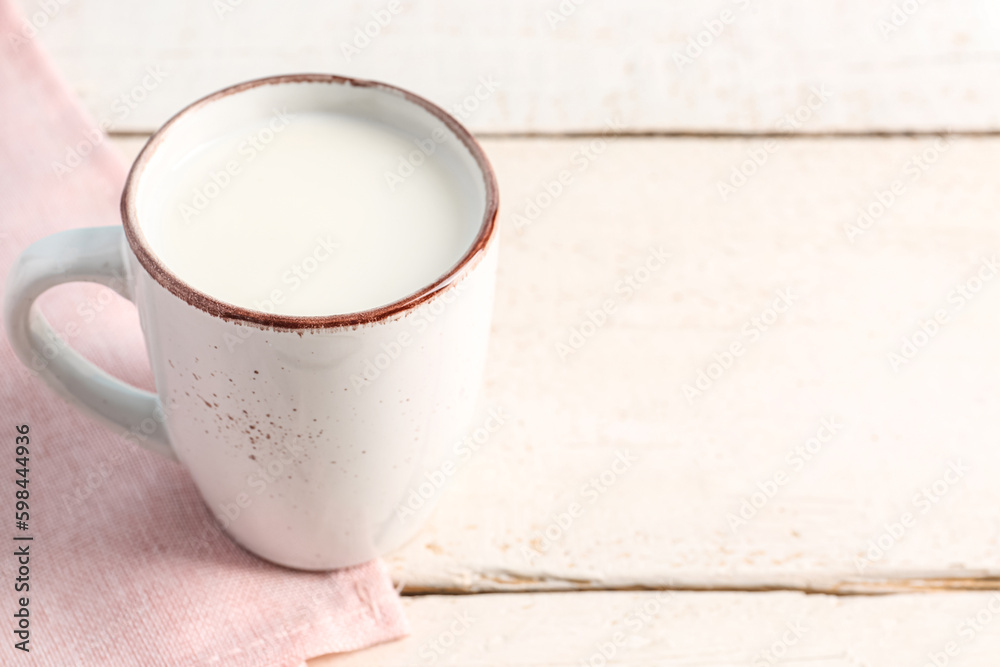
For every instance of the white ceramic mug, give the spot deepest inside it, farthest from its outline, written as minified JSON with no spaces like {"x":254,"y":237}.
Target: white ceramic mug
{"x":303,"y":434}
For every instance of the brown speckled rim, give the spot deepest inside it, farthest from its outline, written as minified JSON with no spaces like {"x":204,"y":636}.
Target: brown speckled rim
{"x":226,"y":311}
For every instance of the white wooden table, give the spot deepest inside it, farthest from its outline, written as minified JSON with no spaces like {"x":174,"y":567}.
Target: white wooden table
{"x":782,"y":443}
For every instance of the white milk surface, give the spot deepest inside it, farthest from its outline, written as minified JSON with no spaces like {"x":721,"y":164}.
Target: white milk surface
{"x":299,"y":216}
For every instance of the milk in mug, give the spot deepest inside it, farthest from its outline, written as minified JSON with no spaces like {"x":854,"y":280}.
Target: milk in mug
{"x":311,"y":214}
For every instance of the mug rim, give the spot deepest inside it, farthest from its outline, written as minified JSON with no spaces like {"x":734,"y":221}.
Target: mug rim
{"x":230,"y":312}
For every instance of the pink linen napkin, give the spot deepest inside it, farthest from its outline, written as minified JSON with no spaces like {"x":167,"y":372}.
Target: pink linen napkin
{"x":126,"y":565}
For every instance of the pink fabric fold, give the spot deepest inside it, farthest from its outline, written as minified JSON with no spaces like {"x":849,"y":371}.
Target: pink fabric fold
{"x":127,"y":566}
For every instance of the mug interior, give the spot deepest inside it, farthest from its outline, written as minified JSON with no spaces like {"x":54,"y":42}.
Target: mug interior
{"x":257,"y":102}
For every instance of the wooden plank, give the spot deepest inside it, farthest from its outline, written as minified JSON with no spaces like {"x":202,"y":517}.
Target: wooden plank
{"x":718,"y":629}
{"x":668,"y":519}
{"x":884,"y":68}
{"x":663,"y":517}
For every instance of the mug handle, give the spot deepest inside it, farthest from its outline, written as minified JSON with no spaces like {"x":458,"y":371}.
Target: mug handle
{"x":92,"y":254}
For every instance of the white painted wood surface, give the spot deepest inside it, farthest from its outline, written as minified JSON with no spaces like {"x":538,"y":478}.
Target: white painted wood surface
{"x":665,"y":518}
{"x":888,"y":65}
{"x":664,"y":522}
{"x":667,"y":521}
{"x":686,"y":629}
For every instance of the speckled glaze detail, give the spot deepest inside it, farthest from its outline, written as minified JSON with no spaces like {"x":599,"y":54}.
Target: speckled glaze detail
{"x":306,"y":436}
{"x":198,"y":299}
{"x":306,"y":448}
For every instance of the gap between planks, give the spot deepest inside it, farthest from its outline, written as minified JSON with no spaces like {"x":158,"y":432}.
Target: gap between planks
{"x":670,"y":134}
{"x":847,"y":589}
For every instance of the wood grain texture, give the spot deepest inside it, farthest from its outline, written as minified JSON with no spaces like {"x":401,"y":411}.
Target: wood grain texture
{"x":928,"y":68}
{"x":686,"y":629}
{"x":666,"y":518}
